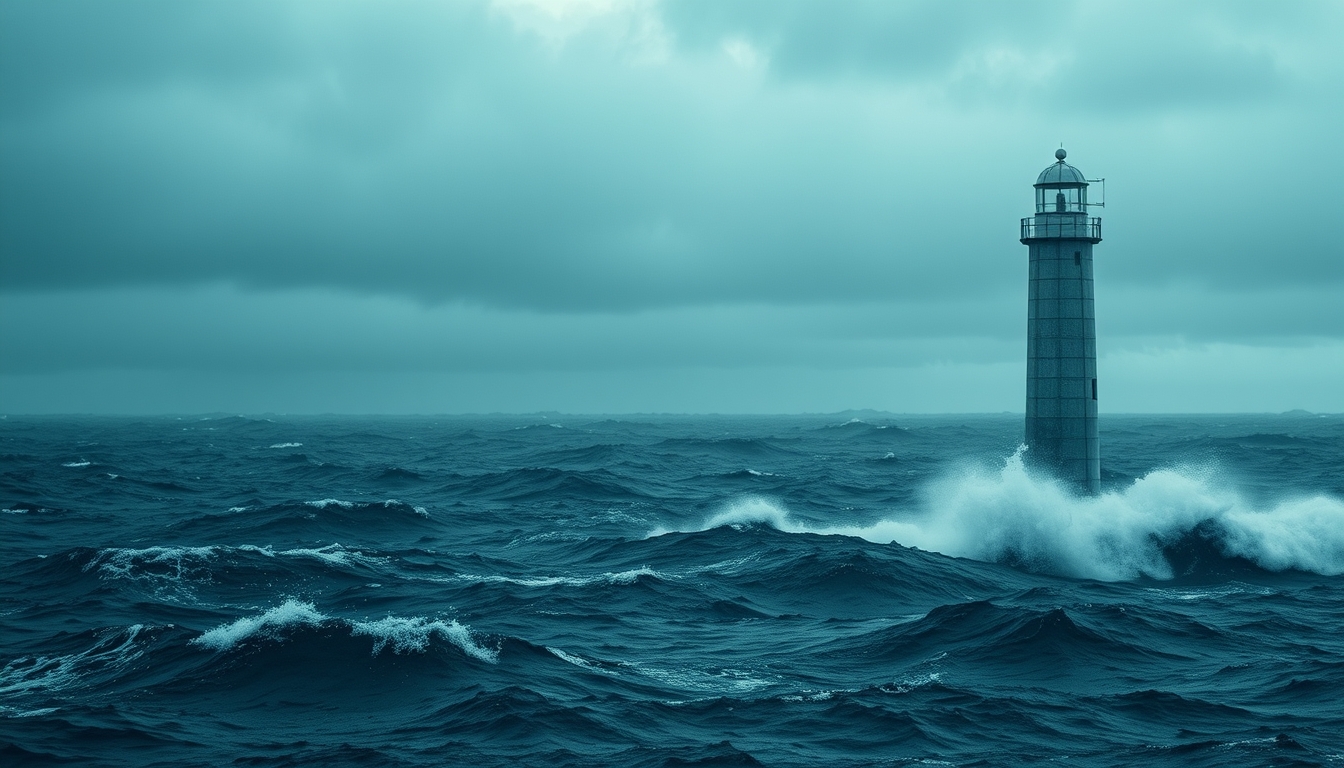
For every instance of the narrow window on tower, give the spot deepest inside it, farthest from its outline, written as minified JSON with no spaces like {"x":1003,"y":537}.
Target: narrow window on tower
{"x":1078,"y":258}
{"x":1094,"y":389}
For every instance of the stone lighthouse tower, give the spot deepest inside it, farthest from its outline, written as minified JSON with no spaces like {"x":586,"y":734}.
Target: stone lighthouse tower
{"x":1061,"y":433}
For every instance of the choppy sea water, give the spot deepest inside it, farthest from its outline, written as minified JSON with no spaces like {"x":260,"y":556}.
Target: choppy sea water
{"x":664,"y":591}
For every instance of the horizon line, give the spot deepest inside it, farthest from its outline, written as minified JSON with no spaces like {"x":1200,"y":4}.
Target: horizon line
{"x":207,"y":415}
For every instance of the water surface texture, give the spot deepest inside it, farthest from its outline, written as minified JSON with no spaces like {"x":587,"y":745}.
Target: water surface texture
{"x":663,"y":591}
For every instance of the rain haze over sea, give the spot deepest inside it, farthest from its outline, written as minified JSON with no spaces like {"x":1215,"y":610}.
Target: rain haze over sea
{"x":771,"y":241}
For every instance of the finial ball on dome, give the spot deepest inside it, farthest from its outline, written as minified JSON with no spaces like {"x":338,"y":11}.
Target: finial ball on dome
{"x":1060,"y":154}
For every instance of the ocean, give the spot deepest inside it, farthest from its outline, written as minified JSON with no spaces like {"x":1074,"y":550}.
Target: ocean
{"x":552,"y":590}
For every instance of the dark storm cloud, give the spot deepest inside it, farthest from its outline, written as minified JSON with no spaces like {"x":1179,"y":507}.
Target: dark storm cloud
{"x":1166,"y":57}
{"x":225,"y":330}
{"x":871,"y":37}
{"x":445,"y":151}
{"x":54,"y":51}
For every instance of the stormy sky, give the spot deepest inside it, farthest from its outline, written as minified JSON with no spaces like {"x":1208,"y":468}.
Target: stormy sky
{"x":699,"y":206}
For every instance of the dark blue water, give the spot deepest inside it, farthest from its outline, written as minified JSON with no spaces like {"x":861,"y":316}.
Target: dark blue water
{"x":665,"y":591}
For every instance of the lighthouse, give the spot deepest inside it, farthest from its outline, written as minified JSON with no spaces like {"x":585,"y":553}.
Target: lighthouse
{"x":1061,"y":428}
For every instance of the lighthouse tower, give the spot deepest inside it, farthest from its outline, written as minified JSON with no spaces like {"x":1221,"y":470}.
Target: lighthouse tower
{"x":1061,"y":433}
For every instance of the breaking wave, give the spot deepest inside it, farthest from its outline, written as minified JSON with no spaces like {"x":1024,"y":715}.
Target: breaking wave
{"x":1015,"y":516}
{"x":291,"y":613}
{"x":406,"y":635}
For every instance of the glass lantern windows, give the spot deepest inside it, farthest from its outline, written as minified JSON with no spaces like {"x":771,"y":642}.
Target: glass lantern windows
{"x":1061,"y":199}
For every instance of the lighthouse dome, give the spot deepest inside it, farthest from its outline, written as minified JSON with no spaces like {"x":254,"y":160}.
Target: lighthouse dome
{"x":1061,"y":174}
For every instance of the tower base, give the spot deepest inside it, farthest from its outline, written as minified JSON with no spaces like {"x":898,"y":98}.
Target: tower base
{"x":1061,"y":425}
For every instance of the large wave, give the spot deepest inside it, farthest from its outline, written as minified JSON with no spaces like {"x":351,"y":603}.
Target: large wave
{"x":1014,"y":515}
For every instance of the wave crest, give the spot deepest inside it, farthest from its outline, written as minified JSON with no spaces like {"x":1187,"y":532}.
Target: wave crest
{"x":413,"y":634}
{"x":616,"y":578}
{"x":291,"y":613}
{"x":403,"y":635}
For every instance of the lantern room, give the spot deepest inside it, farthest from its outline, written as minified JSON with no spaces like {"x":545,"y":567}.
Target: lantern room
{"x":1061,"y":188}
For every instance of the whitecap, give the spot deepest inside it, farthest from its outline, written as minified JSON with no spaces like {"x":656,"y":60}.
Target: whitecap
{"x":332,"y":554}
{"x":913,"y":683}
{"x":291,"y":613}
{"x":386,"y":503}
{"x":267,"y":551}
{"x":812,"y":695}
{"x":324,"y":503}
{"x":287,"y":445}
{"x":390,"y":503}
{"x":620,"y":577}
{"x":630,"y":576}
{"x":741,"y":513}
{"x":80,"y":463}
{"x":405,"y":635}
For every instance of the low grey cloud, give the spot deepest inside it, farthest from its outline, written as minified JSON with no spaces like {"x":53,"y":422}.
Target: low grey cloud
{"x":217,"y":328}
{"x":1108,"y":57}
{"x":508,"y":188}
{"x":905,"y":40}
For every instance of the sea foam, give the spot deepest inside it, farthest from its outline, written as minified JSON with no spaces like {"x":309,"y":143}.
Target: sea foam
{"x":624,"y":578}
{"x":170,"y":567}
{"x":331,"y":554}
{"x":183,"y":564}
{"x":114,"y":651}
{"x":1015,"y":515}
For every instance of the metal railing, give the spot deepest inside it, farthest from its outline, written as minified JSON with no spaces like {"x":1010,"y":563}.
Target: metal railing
{"x":1078,"y":227}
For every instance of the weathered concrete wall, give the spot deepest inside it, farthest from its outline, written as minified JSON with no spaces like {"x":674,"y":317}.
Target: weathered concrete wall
{"x":1061,"y":430}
